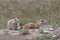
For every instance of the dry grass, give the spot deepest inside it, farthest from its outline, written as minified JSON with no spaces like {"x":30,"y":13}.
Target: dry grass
{"x":29,"y":9}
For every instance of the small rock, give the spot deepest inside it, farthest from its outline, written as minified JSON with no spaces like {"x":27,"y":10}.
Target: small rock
{"x":54,"y":36}
{"x":46,"y":32}
{"x":14,"y":32}
{"x":51,"y":29}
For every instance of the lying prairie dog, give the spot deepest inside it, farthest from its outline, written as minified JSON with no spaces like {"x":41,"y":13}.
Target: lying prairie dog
{"x":34,"y":25}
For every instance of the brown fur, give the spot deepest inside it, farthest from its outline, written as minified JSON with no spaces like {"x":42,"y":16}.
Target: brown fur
{"x":33,"y":25}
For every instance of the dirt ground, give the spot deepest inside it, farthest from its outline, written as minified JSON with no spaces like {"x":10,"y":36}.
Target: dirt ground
{"x":31,"y":35}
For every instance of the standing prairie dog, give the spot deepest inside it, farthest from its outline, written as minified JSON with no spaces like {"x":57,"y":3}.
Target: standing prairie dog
{"x":13,"y":24}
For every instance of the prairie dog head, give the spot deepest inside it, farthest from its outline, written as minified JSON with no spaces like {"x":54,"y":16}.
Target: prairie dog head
{"x":41,"y":22}
{"x":16,"y":20}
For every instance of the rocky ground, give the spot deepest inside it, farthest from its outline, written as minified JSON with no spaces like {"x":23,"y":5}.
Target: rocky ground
{"x":48,"y":30}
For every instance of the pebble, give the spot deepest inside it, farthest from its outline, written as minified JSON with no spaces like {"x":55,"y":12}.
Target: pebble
{"x":51,"y":29}
{"x":14,"y":32}
{"x":54,"y":36}
{"x":46,"y":32}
